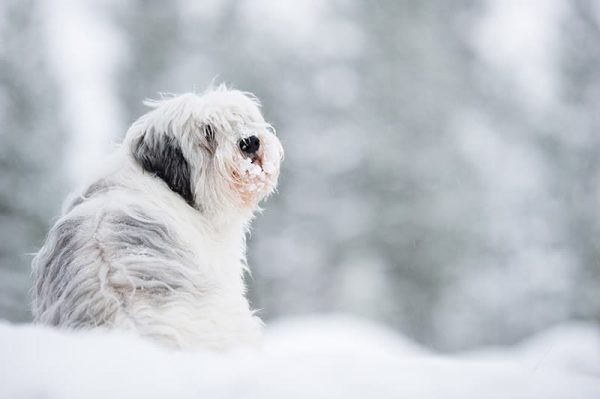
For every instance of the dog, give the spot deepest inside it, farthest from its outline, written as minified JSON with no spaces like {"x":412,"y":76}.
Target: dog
{"x":156,"y":243}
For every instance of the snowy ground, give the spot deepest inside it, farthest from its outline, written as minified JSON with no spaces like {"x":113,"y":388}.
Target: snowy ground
{"x":317,"y":357}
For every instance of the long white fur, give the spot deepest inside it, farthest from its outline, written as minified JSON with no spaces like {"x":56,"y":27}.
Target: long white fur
{"x":130,"y":253}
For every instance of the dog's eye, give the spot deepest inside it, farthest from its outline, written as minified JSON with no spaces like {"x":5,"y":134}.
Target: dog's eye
{"x":209,"y":133}
{"x":250,"y":145}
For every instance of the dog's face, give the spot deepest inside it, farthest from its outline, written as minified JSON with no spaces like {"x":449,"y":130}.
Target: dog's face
{"x":215,"y":150}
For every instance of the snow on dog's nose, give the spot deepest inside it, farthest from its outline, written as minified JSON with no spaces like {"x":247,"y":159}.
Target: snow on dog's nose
{"x":258,"y":168}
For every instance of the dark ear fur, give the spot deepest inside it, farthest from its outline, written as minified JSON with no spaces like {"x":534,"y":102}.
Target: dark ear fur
{"x":161,"y":154}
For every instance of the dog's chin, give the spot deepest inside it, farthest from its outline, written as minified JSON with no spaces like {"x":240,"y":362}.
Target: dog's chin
{"x":250,"y":200}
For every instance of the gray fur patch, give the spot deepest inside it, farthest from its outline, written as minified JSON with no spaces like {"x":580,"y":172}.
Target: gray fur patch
{"x":89,"y":270}
{"x":58,"y":254}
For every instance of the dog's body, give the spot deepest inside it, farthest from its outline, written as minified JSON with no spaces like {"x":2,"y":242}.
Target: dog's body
{"x":156,"y":244}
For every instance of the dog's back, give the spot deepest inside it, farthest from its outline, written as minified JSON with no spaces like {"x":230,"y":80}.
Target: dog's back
{"x":118,"y":260}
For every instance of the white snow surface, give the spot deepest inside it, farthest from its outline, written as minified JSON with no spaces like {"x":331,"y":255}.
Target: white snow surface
{"x":313,"y":357}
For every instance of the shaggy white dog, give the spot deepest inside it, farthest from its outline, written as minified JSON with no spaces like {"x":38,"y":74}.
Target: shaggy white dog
{"x":156,"y":244}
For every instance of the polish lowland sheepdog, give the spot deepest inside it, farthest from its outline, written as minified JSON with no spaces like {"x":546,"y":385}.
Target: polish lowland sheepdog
{"x":156,"y":243}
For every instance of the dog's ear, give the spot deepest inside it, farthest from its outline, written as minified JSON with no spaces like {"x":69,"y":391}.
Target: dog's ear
{"x":161,"y":154}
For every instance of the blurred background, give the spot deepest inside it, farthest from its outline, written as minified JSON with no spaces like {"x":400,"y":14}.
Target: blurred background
{"x":441,"y":157}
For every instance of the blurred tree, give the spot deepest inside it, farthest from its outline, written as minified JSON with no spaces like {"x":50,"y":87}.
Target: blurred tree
{"x":31,"y":145}
{"x":426,"y":227}
{"x":575,"y":147}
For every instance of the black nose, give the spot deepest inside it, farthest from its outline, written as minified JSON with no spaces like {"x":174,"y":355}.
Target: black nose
{"x":250,"y":145}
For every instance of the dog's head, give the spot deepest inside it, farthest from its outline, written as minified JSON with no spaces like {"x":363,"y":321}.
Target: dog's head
{"x":215,"y":149}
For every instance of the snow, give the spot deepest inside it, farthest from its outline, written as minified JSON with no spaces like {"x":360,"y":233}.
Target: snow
{"x":254,"y":173}
{"x":574,"y":347}
{"x":314,"y":357}
{"x":268,"y":167}
{"x":251,"y":168}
